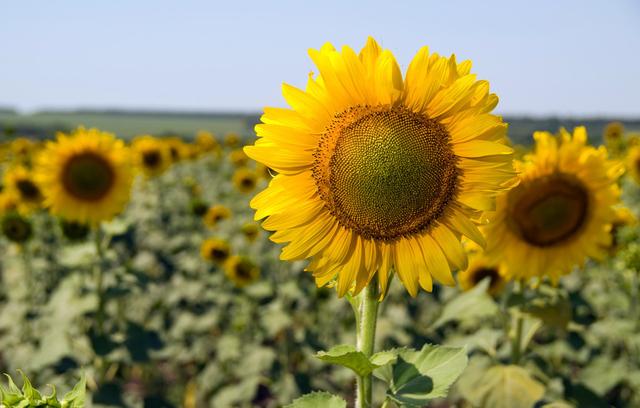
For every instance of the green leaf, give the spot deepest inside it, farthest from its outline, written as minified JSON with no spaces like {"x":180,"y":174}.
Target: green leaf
{"x":75,"y":398}
{"x":469,"y":305}
{"x":415,"y":377}
{"x":347,"y":356}
{"x":28,"y":391}
{"x":13,"y":395}
{"x":503,"y":386}
{"x":318,"y":400}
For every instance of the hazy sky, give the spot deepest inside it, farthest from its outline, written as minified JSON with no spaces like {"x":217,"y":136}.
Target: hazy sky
{"x":579,"y":57}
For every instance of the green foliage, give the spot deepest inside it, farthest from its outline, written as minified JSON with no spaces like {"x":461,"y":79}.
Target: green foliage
{"x":346,"y":355}
{"x":317,"y":400}
{"x":416,"y":377}
{"x":28,"y":396}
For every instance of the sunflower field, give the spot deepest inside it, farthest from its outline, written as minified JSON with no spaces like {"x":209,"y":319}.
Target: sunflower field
{"x":380,"y":243}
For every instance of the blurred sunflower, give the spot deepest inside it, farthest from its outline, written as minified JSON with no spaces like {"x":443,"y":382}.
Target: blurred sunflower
{"x":206,"y":141}
{"x":22,"y":148}
{"x":479,"y":269}
{"x":264,"y":171}
{"x":8,"y":202}
{"x":377,"y":173}
{"x":613,"y":132}
{"x":250,"y":231}
{"x":199,"y":207}
{"x":21,"y":182}
{"x":74,"y":231}
{"x":561,"y":211}
{"x":150,"y":155}
{"x":238,"y":158}
{"x":241,"y":270}
{"x":244,"y":180}
{"x":633,"y":163}
{"x":215,"y":214}
{"x":232,"y":140}
{"x":85,"y":176}
{"x":177,"y":148}
{"x":16,"y":228}
{"x":215,"y":250}
{"x":623,"y":218}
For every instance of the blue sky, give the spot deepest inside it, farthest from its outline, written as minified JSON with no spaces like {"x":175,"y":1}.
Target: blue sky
{"x":569,"y":57}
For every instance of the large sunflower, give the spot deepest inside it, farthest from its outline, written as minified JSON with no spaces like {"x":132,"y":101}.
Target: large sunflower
{"x":85,"y":176}
{"x":560,"y":213}
{"x":380,"y":173}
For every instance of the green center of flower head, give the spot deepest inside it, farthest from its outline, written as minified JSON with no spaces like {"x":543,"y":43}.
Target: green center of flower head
{"x":385,"y":172}
{"x":550,"y":210}
{"x":88,"y":176}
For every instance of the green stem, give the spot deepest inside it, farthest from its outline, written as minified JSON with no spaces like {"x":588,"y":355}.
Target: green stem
{"x":516,"y":352}
{"x":366,"y":338}
{"x":99,"y":279}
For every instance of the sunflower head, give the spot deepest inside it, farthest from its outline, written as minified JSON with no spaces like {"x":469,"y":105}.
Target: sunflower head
{"x":633,"y":163}
{"x":613,"y":132}
{"x":9,"y":202}
{"x":198,"y":207}
{"x":150,"y":155}
{"x":22,"y":183}
{"x":215,"y":214}
{"x":241,"y":270}
{"x":245,"y":180}
{"x":206,"y":141}
{"x":232,"y":140}
{"x":238,"y":158}
{"x":377,"y":172}
{"x":250,"y":231}
{"x":561,"y":211}
{"x":22,"y":149}
{"x":85,"y":176}
{"x":481,"y":268}
{"x":177,"y":148}
{"x":215,"y":250}
{"x":74,"y":231}
{"x":16,"y":228}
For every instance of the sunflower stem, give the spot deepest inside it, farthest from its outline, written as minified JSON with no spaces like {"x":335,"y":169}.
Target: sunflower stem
{"x":369,"y":301}
{"x":99,"y":279}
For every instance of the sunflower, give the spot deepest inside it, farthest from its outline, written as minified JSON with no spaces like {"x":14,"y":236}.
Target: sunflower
{"x":177,"y":148}
{"x":74,"y":231}
{"x":250,"y":231}
{"x":633,"y":163}
{"x":20,"y":181}
{"x":85,"y":176}
{"x":241,"y":270}
{"x":561,"y":211}
{"x":8,"y":202}
{"x":245,"y":180}
{"x":16,"y":228}
{"x":380,"y":173}
{"x":613,"y":132}
{"x":215,"y":214}
{"x":215,"y":250}
{"x":481,"y":268}
{"x":22,"y":148}
{"x":232,"y":139}
{"x":206,"y":141}
{"x":150,"y":155}
{"x":238,"y":158}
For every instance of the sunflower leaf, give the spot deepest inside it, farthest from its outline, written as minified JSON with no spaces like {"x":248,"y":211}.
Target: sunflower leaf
{"x":347,"y":356}
{"x":415,"y":377}
{"x":318,"y":399}
{"x":474,"y":303}
{"x":502,"y":386}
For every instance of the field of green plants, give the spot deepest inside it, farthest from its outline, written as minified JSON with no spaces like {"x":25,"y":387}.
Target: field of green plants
{"x":135,"y":309}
